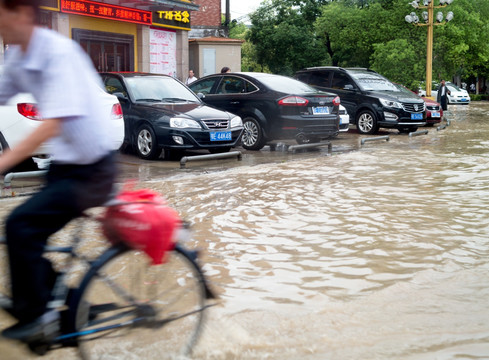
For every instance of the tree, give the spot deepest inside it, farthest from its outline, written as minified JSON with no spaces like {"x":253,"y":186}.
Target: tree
{"x":388,"y":57}
{"x":283,"y":35}
{"x":291,"y":34}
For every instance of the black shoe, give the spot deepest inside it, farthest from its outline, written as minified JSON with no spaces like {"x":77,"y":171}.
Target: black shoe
{"x":45,"y":328}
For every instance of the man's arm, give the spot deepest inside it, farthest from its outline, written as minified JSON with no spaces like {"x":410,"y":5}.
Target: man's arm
{"x":48,"y":129}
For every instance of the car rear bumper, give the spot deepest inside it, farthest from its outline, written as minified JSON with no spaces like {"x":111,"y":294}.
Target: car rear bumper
{"x":309,"y":126}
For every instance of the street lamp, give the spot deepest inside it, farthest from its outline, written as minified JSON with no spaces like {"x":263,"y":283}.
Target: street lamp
{"x":428,"y":21}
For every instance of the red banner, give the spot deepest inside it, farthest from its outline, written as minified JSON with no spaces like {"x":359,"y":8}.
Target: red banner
{"x":106,"y":11}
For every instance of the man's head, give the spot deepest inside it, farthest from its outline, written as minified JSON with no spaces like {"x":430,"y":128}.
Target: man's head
{"x":190,"y":73}
{"x":17,"y":19}
{"x":443,"y":82}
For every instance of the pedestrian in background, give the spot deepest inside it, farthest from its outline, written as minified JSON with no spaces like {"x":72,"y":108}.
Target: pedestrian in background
{"x":442,"y":96}
{"x":62,"y":79}
{"x":191,"y":77}
{"x":225,"y":70}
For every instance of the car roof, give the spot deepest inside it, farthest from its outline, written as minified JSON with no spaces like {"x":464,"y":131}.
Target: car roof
{"x":133,"y":74}
{"x":347,"y":69}
{"x":256,"y":75}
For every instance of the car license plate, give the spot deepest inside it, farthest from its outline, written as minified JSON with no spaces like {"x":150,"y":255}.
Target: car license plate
{"x":221,"y":136}
{"x":435,"y":114}
{"x":416,"y":116}
{"x":320,"y":110}
{"x":464,"y":99}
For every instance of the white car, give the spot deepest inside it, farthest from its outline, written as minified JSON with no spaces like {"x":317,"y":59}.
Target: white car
{"x":457,"y":95}
{"x":344,"y":119}
{"x":19,"y":117}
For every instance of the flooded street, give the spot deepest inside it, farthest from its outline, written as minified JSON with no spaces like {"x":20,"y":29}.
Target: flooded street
{"x":375,"y":252}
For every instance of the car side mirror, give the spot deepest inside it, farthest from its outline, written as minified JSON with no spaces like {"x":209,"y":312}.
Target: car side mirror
{"x":349,"y":87}
{"x":120,"y":96}
{"x":201,"y":96}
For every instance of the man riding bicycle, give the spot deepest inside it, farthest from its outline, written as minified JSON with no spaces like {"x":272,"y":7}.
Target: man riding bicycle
{"x":64,"y":83}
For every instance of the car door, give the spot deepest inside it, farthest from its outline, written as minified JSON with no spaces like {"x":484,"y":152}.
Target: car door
{"x":344,"y":86}
{"x":115,"y":86}
{"x":235,"y":93}
{"x":230,"y":93}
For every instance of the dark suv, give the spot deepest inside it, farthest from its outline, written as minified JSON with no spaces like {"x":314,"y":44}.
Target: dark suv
{"x":371,"y":100}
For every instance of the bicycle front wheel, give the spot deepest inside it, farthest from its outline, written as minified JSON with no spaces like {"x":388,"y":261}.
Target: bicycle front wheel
{"x":129,"y":309}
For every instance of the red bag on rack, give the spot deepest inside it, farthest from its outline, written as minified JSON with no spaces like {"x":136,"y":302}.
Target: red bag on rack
{"x":142,"y":220}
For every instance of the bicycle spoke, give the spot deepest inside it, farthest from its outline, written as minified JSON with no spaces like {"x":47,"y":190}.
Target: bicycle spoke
{"x":165,"y":303}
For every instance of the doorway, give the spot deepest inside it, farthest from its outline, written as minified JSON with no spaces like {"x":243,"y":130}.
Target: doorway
{"x":108,"y":51}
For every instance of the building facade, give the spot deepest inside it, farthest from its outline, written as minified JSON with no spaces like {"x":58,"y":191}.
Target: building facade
{"x":120,"y":35}
{"x":210,"y":49}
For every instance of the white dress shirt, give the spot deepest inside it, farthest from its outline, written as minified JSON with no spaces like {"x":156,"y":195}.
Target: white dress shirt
{"x":62,"y":79}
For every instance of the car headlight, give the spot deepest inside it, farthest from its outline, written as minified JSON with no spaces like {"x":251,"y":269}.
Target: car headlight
{"x":390,"y":103}
{"x":183,"y":123}
{"x":236,"y":121}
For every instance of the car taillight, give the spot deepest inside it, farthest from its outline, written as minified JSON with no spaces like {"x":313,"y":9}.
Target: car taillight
{"x":116,"y":112}
{"x":293,"y":101}
{"x":29,"y":111}
{"x":336,"y":101}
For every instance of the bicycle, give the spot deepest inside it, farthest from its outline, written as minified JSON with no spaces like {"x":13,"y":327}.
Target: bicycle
{"x":120,"y":292}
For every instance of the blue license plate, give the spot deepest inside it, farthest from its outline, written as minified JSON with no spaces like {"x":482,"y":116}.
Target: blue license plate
{"x":320,"y":110}
{"x":221,"y":136}
{"x":435,"y":114}
{"x":416,"y":116}
{"x":464,"y":99}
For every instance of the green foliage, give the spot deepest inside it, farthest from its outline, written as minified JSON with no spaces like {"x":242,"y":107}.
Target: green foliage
{"x":288,"y":35}
{"x":283,"y":35}
{"x":397,"y":60}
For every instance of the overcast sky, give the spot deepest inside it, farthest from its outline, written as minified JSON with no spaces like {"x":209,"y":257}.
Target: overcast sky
{"x":240,"y":7}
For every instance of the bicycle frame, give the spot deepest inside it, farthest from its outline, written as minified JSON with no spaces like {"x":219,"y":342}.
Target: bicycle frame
{"x":64,"y":295}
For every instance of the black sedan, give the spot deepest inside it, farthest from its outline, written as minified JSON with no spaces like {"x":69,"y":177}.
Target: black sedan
{"x":272,"y":107}
{"x":160,"y":113}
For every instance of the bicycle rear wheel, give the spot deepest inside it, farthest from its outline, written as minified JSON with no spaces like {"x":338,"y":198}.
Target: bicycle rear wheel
{"x":163,"y":307}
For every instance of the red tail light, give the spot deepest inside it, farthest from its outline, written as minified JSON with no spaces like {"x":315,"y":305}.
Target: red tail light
{"x":116,"y":112}
{"x":336,"y":101}
{"x":293,"y":101}
{"x":29,"y":111}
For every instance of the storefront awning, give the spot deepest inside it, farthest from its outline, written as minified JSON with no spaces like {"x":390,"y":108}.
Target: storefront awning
{"x":155,"y":5}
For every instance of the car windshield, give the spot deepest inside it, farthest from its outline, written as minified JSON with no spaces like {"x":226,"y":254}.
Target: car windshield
{"x":453,"y":86}
{"x":285,"y":84}
{"x":159,"y":88}
{"x":404,"y":89}
{"x":371,"y":82}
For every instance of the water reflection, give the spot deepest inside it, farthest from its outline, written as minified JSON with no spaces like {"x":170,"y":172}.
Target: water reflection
{"x":377,"y":253}
{"x":395,"y":232}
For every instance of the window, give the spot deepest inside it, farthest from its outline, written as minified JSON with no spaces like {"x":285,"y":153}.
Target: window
{"x":113,"y":85}
{"x":340,"y":81}
{"x":319,"y":78}
{"x":232,"y":85}
{"x":204,"y":86}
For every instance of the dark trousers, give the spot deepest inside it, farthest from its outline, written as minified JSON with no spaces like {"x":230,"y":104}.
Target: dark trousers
{"x":69,"y":190}
{"x":444,"y":102}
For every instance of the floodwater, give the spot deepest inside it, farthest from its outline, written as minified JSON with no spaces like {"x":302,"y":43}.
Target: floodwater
{"x":380,"y":252}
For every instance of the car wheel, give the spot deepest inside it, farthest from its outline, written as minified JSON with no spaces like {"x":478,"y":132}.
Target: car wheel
{"x":367,"y":123}
{"x":252,"y":138}
{"x":3,"y":144}
{"x":26,"y":165}
{"x":146,"y":144}
{"x":219,"y":150}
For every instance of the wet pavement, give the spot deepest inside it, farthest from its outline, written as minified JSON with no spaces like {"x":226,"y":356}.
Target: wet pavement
{"x":372,"y":252}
